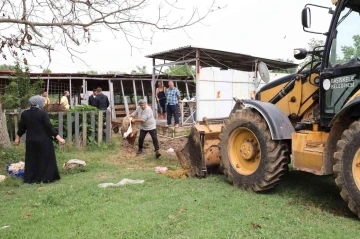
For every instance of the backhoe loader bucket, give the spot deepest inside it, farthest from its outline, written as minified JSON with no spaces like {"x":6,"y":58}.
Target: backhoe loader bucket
{"x":200,"y":154}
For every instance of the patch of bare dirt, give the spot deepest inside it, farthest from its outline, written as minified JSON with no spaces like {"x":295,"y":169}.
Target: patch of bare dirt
{"x":128,"y":159}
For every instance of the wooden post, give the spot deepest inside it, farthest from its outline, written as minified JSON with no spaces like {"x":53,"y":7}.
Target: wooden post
{"x":16,"y":120}
{"x":100,"y":126}
{"x":92,"y":124}
{"x":69,"y":127}
{"x":108,"y":128}
{"x":84,"y":128}
{"x":61,"y":125}
{"x":77,"y":127}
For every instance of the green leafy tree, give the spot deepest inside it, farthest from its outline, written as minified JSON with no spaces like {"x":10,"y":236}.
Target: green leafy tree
{"x":91,"y":72}
{"x":47,"y":71}
{"x":350,"y":52}
{"x":115,"y":72}
{"x":20,"y":89}
{"x":311,"y":46}
{"x":140,"y":70}
{"x":5,"y":67}
{"x":180,"y":70}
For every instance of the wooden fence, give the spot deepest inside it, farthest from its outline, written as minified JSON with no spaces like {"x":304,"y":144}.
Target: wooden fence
{"x":79,"y":127}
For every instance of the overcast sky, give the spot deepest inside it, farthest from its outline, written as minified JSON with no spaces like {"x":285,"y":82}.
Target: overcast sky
{"x":264,"y":28}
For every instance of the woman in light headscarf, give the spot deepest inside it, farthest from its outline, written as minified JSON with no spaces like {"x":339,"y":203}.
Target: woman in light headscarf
{"x":40,"y":160}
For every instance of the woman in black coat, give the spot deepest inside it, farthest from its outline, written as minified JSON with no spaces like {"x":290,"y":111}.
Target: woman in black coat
{"x":40,"y":161}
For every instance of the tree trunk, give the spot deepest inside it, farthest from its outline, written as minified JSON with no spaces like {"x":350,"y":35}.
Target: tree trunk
{"x":4,"y":134}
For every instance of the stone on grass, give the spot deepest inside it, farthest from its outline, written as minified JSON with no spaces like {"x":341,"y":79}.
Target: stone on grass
{"x":73,"y":163}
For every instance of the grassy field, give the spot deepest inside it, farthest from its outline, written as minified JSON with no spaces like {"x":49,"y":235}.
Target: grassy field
{"x":303,"y":206}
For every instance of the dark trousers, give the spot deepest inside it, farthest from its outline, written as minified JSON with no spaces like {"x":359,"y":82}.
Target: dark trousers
{"x":153,"y":135}
{"x":172,"y":110}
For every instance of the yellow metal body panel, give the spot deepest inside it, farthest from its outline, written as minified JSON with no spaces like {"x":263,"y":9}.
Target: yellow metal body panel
{"x":211,"y":144}
{"x":308,"y":90}
{"x":294,"y":98}
{"x":267,"y":95}
{"x":298,"y":100}
{"x":307,"y":151}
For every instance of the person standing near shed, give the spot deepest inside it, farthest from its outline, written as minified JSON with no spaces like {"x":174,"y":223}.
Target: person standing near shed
{"x":92,"y":98}
{"x":172,"y":100}
{"x":102,"y":101}
{"x":45,"y":95}
{"x":145,"y":116}
{"x":161,"y":99}
{"x":65,"y":101}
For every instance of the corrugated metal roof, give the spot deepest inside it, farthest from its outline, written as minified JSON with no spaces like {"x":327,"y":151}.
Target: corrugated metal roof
{"x":218,"y":58}
{"x":89,"y":76}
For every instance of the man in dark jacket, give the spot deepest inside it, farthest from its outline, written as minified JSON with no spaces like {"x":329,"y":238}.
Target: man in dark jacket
{"x":102,"y":101}
{"x":92,"y":99}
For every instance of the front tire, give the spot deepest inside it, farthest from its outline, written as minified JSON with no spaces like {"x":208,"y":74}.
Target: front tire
{"x":347,"y":167}
{"x":250,"y":158}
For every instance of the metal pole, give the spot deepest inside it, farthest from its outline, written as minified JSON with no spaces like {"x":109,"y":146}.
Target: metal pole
{"x":187,"y":90}
{"x":84,"y":90}
{"x":124,"y":98}
{"x":197,"y":83}
{"x":70,"y":91}
{"x":112,"y":100}
{"x":153,"y":89}
{"x":122,"y":88}
{"x":135,"y":95}
{"x":47,"y":87}
{"x":142,"y":87}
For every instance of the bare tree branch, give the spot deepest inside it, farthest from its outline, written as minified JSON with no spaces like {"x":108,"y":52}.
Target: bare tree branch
{"x":29,"y":25}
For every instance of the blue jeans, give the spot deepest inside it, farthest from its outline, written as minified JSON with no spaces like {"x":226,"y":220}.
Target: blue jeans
{"x":172,"y":109}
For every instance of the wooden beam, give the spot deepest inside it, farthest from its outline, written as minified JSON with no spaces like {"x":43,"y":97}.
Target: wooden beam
{"x":69,"y":127}
{"x":108,"y":128}
{"x":77,"y":126}
{"x":84,"y":128}
{"x":100,"y":126}
{"x":92,"y":125}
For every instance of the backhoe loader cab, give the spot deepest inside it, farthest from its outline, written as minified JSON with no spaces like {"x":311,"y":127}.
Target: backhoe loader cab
{"x":310,"y":118}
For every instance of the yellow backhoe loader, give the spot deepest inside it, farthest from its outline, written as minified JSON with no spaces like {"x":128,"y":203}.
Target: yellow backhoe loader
{"x":310,"y":118}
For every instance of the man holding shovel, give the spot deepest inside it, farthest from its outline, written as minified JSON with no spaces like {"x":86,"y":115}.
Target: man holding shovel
{"x":145,"y":116}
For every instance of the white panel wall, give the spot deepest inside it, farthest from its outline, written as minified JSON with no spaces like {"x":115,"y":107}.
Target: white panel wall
{"x":217,"y":89}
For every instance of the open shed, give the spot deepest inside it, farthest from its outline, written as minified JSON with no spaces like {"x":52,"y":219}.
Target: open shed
{"x":203,"y":58}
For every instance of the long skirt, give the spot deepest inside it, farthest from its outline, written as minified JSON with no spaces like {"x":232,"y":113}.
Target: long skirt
{"x":40,"y":162}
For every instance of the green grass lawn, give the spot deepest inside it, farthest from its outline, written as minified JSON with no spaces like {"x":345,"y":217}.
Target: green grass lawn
{"x":303,"y":206}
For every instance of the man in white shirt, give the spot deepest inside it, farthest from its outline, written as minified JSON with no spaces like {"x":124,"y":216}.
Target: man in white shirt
{"x":145,"y":116}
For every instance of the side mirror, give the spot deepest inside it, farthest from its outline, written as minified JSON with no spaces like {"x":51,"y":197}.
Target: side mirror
{"x":306,"y":17}
{"x":300,"y":54}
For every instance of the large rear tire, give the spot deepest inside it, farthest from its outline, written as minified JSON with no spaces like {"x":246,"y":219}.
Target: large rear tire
{"x":347,"y":167}
{"x":250,"y":158}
